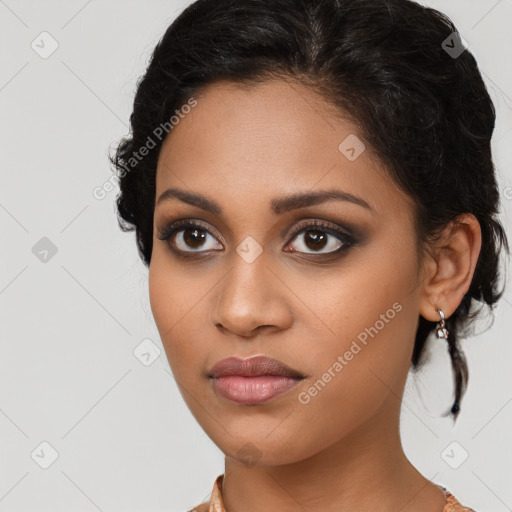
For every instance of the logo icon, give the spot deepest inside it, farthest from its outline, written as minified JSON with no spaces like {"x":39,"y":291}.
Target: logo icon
{"x":454,"y":45}
{"x":44,"y":455}
{"x":352,"y":147}
{"x":44,"y":45}
{"x":454,"y":455}
{"x":249,"y":454}
{"x":147,"y":352}
{"x":44,"y":250}
{"x":249,"y":249}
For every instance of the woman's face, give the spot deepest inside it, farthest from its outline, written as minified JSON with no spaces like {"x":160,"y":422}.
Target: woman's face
{"x":336,"y":300}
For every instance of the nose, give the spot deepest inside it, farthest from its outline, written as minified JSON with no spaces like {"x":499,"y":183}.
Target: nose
{"x":251,"y":298}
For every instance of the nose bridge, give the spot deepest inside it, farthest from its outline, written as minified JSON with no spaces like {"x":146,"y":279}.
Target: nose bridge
{"x":245,"y":284}
{"x":248,"y":296}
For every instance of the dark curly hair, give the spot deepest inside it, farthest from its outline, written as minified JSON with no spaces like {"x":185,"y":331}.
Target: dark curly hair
{"x":423,"y":109}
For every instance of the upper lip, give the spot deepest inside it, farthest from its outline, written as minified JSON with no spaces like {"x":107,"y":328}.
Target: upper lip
{"x":252,"y":367}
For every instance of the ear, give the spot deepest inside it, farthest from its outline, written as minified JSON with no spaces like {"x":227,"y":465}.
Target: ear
{"x":449,"y":267}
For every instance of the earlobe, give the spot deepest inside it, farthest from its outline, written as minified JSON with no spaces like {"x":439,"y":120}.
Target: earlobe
{"x":451,"y":268}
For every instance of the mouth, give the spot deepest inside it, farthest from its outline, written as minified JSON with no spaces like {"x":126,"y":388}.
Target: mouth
{"x":253,"y":381}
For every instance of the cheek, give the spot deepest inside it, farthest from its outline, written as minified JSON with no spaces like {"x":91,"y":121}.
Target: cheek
{"x":351,"y":380}
{"x":370,"y":301}
{"x":362,"y":364}
{"x":176,"y":302}
{"x":162,"y":289}
{"x":370,"y":320}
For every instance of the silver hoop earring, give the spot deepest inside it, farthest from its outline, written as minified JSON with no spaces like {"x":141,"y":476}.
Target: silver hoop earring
{"x":441,"y":331}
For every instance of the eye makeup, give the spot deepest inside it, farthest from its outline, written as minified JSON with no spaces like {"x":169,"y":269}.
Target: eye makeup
{"x":189,"y":230}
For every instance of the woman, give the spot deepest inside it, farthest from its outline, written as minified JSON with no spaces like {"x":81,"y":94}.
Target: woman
{"x":312,"y":188}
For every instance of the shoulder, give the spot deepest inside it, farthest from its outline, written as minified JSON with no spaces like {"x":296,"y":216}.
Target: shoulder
{"x":215,"y":503}
{"x":453,"y":504}
{"x":203,"y":507}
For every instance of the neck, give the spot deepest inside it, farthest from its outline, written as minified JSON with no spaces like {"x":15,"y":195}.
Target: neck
{"x":365,"y":470}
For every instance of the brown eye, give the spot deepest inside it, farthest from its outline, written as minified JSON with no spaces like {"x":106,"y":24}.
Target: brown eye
{"x":188,"y":237}
{"x":320,"y":238}
{"x":193,"y":237}
{"x":317,"y":241}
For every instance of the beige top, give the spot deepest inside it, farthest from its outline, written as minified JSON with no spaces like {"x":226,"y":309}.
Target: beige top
{"x":217,"y":505}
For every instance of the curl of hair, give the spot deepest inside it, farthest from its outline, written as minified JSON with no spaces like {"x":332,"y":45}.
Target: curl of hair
{"x":427,"y":116}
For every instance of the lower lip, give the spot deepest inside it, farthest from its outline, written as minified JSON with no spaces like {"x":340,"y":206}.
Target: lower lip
{"x":253,"y":390}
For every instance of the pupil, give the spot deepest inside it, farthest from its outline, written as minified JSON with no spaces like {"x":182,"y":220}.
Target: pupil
{"x":318,"y":238}
{"x":194,"y":237}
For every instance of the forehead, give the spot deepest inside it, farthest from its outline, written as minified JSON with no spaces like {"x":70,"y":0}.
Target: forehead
{"x":262,"y":139}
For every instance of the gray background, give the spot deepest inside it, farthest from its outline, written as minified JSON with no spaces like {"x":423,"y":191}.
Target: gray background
{"x":118,"y":429}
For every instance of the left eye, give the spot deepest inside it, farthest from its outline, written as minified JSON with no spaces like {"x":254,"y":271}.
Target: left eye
{"x":316,"y":240}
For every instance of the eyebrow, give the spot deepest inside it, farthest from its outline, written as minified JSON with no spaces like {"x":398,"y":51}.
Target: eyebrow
{"x":278,"y":205}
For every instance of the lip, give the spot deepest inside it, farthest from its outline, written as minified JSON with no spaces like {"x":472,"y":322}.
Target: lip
{"x":253,"y":381}
{"x":256,"y":366}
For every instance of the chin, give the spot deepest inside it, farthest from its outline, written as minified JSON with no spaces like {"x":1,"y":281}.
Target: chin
{"x":265,"y":447}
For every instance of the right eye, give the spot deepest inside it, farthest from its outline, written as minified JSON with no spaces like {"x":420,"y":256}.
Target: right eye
{"x":187,"y":236}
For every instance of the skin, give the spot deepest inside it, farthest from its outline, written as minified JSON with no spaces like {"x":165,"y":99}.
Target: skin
{"x":243,"y":147}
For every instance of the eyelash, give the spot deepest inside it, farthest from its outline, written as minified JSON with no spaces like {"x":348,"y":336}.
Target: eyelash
{"x":168,"y":230}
